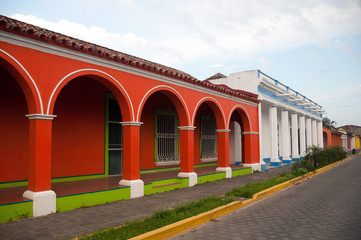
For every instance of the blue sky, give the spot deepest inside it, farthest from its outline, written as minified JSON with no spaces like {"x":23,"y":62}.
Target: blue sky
{"x":312,"y":46}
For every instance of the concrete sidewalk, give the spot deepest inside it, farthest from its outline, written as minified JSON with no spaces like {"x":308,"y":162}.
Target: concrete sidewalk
{"x":83,"y":221}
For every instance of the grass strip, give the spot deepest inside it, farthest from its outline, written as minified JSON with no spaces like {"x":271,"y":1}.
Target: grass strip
{"x":160,"y":219}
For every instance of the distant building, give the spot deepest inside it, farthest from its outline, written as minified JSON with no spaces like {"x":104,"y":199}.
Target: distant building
{"x":289,"y":122}
{"x":353,"y":133}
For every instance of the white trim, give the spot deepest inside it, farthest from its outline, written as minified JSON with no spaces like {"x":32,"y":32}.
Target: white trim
{"x":209,"y":160}
{"x":167,"y":163}
{"x":163,"y":86}
{"x":83,"y":57}
{"x":95,"y":70}
{"x":40,"y":116}
{"x":131,"y":123}
{"x":201,"y":101}
{"x":223,"y":130}
{"x":136,"y":187}
{"x":255,"y":133}
{"x":280,"y":104}
{"x":192,"y":177}
{"x":44,"y":202}
{"x":254,"y":166}
{"x":245,"y":110}
{"x":26,"y":72}
{"x":187,"y":128}
{"x":228,"y":171}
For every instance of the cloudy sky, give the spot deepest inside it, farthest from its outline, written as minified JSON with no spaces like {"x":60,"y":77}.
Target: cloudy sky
{"x":312,"y":46}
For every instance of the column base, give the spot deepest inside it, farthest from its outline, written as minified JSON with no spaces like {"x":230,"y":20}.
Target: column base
{"x":263,"y":165}
{"x":228,"y":171}
{"x":192,"y":176}
{"x":136,"y":187}
{"x":267,"y":160}
{"x":254,"y":166}
{"x":286,"y":160}
{"x":44,"y":202}
{"x":276,"y":162}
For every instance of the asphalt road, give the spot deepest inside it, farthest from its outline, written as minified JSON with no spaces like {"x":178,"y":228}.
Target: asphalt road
{"x":327,"y":206}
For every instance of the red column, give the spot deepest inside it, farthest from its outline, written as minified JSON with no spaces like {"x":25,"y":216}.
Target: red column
{"x":40,"y":152}
{"x":131,"y":143}
{"x":187,"y":149}
{"x":251,"y":148}
{"x":223,"y":147}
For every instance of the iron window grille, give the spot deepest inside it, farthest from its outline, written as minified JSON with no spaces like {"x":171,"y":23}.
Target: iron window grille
{"x":166,"y":138}
{"x":208,"y":139}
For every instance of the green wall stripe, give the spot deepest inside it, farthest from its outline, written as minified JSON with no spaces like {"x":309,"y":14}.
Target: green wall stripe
{"x":11,"y":212}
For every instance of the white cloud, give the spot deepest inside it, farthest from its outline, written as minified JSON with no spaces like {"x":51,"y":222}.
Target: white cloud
{"x":189,"y":31}
{"x":217,"y":65}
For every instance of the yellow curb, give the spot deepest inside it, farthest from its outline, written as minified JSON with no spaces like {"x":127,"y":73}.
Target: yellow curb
{"x":192,"y":222}
{"x":185,"y":224}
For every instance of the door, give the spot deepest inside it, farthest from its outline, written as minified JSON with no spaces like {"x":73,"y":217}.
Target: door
{"x":115,"y":138}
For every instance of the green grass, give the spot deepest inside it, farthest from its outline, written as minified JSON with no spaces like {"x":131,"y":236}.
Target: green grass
{"x":161,"y":218}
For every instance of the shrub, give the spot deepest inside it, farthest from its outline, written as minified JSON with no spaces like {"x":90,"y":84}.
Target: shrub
{"x":319,"y":157}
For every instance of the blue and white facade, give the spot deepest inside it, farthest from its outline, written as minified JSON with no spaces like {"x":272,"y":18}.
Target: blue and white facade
{"x":289,"y":122}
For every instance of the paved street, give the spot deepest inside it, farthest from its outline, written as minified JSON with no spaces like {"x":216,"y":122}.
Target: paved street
{"x":327,"y":206}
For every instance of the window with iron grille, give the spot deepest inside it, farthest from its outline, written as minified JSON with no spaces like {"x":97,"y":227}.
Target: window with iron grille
{"x":208,"y":138}
{"x":166,"y":138}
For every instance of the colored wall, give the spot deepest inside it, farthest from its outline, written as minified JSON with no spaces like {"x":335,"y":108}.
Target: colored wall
{"x":14,"y":130}
{"x":78,"y":129}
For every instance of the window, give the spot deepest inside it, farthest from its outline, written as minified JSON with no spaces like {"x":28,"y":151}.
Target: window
{"x":208,"y":138}
{"x":166,"y":138}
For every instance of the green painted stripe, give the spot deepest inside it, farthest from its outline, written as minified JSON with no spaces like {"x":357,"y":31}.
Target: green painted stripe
{"x":239,"y":172}
{"x":180,"y":183}
{"x":211,"y":177}
{"x":5,"y":204}
{"x":71,"y":202}
{"x":76,"y":194}
{"x":11,"y":212}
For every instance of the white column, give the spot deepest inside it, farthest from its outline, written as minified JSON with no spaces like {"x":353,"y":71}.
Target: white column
{"x":275,"y":161}
{"x":302,"y":136}
{"x":263,"y":164}
{"x":285,"y":137}
{"x":295,"y":153}
{"x":314,"y":133}
{"x":319,"y":134}
{"x":308,"y":133}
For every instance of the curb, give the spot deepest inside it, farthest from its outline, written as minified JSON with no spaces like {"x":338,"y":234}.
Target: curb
{"x":185,"y":224}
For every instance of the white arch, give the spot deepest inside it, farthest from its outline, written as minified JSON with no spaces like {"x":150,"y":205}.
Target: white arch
{"x":245,"y":110}
{"x":201,"y":101}
{"x":32,"y":80}
{"x":84,"y":70}
{"x":162,"y":86}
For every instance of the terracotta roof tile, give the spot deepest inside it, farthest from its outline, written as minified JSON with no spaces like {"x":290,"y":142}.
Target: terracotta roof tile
{"x":41,"y":34}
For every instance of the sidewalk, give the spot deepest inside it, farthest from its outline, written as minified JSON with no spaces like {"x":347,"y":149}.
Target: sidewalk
{"x":82,"y":221}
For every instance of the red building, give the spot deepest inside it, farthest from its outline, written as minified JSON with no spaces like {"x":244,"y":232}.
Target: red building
{"x":73,"y":110}
{"x":332,"y":137}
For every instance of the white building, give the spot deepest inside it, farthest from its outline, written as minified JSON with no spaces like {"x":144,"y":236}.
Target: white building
{"x":289,"y":122}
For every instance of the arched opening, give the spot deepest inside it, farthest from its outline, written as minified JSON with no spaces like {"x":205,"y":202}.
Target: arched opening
{"x":87,"y":132}
{"x":14,"y":126}
{"x":236,"y":139}
{"x":241,"y":138}
{"x":161,"y":115}
{"x":207,"y":120}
